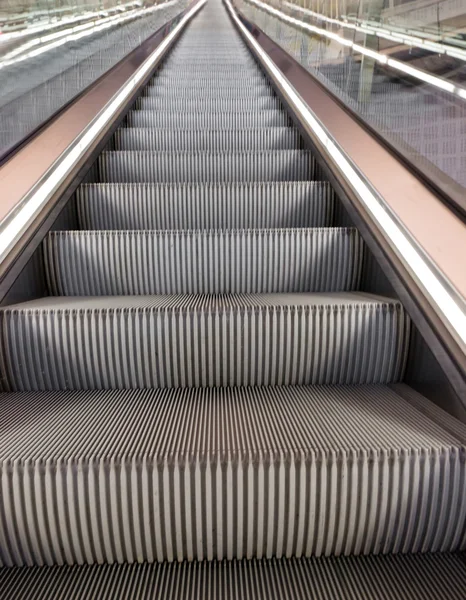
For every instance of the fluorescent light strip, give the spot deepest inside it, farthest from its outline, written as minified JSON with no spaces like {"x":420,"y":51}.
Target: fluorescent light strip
{"x":377,"y":56}
{"x":76,"y":33}
{"x":446,"y":303}
{"x":18,"y":223}
{"x":410,"y":40}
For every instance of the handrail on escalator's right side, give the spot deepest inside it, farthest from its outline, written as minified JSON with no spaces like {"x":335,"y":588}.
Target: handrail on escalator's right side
{"x":386,"y":199}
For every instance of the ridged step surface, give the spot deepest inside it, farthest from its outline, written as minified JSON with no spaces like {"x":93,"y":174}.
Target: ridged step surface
{"x":205,"y":90}
{"x":215,"y":340}
{"x":205,"y":206}
{"x":220,"y":140}
{"x":245,"y":419}
{"x":233,"y":473}
{"x":193,"y":72}
{"x":207,"y":167}
{"x":199,"y":262}
{"x":208,"y":104}
{"x":205,"y":120}
{"x":399,"y":577}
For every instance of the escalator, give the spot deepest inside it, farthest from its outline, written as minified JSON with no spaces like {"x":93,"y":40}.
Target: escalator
{"x":209,"y":402}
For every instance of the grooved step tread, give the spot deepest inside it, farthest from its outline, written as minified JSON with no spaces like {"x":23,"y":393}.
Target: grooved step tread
{"x":300,"y":471}
{"x":203,"y":167}
{"x":96,"y":263}
{"x":195,"y":340}
{"x":207,"y":104}
{"x":213,"y":140}
{"x":392,"y":577}
{"x":210,"y":120}
{"x":205,"y":90}
{"x":205,"y":205}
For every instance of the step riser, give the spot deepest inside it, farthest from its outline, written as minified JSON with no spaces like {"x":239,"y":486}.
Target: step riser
{"x":278,"y":138}
{"x":245,"y":507}
{"x":142,"y":348}
{"x":250,"y":91}
{"x":219,"y":120}
{"x":211,"y":206}
{"x":204,"y":105}
{"x":202,"y":263}
{"x":211,"y":72}
{"x":148,"y":167}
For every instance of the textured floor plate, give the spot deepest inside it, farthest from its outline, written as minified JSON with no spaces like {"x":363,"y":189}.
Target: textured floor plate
{"x":190,"y":341}
{"x":211,"y":473}
{"x":205,"y":206}
{"x":99,"y":263}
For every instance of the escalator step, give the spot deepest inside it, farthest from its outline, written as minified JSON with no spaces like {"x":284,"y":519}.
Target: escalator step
{"x":204,"y":167}
{"x":192,"y":62}
{"x":196,"y":140}
{"x":208,"y":105}
{"x":112,"y":342}
{"x":393,"y":577}
{"x":202,"y":88}
{"x":213,"y":73}
{"x":105,"y":476}
{"x":205,"y":206}
{"x":213,"y":120}
{"x":101,"y":263}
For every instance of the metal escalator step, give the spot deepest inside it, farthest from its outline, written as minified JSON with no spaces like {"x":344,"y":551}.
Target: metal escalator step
{"x":208,"y":71}
{"x":112,"y":342}
{"x":165,"y":167}
{"x":208,"y":104}
{"x":393,"y":577}
{"x":147,"y":475}
{"x":208,"y":91}
{"x":212,"y":120}
{"x":214,"y":140}
{"x":215,"y":77}
{"x":204,"y":85}
{"x":205,"y":206}
{"x":207,"y":64}
{"x":99,"y":263}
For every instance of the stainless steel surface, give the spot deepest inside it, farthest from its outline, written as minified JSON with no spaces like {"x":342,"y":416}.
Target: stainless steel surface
{"x":171,"y":426}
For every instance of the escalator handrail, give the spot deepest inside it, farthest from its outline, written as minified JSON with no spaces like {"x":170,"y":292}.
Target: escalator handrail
{"x":433,"y":284}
